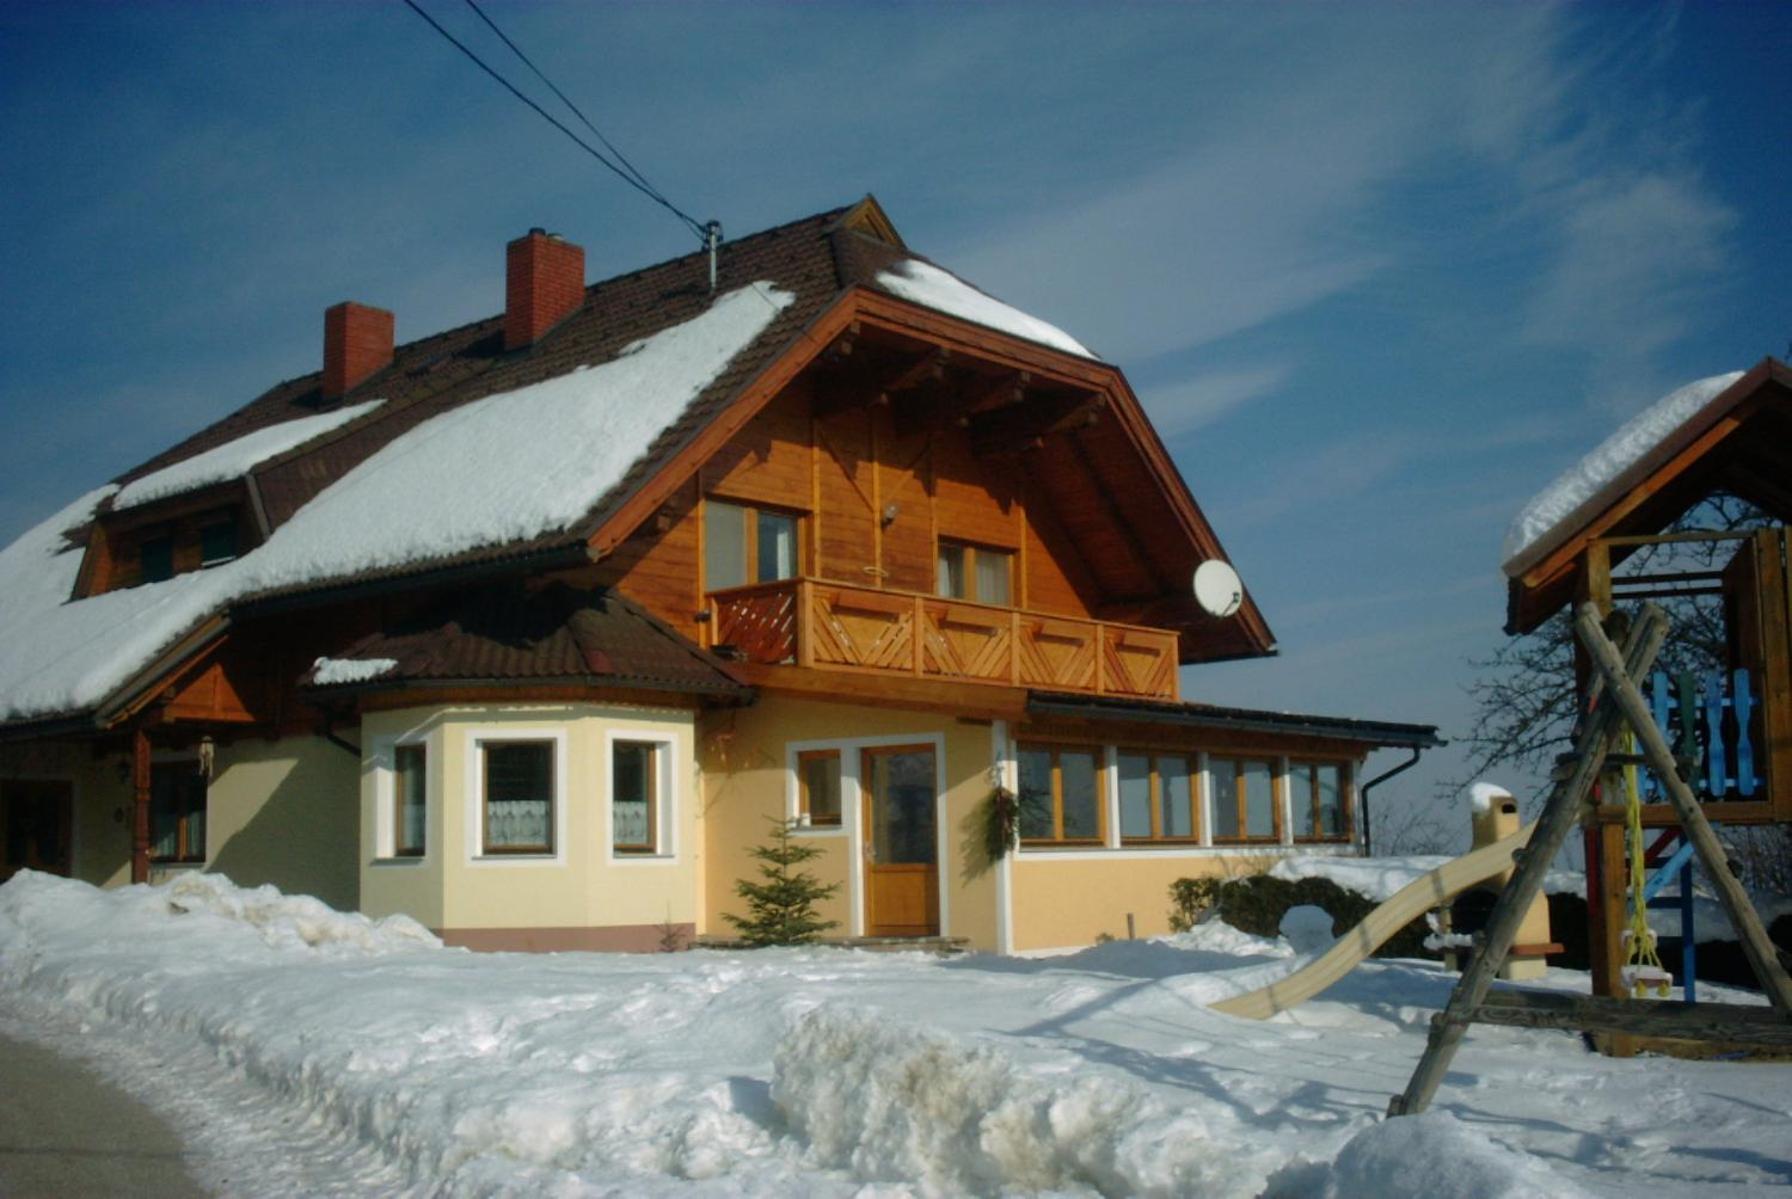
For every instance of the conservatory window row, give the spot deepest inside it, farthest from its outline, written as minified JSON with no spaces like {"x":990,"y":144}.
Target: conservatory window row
{"x":1177,"y":798}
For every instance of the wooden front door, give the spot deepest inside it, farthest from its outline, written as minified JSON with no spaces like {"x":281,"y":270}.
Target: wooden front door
{"x":36,"y":827}
{"x":902,"y":895}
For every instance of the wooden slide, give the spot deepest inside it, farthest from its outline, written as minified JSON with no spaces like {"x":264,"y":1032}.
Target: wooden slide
{"x":1428,"y":891}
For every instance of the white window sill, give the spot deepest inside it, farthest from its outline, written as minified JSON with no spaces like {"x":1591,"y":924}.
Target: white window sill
{"x":422,"y":860}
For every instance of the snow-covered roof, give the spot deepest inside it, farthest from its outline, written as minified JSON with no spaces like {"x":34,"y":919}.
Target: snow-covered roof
{"x":327,"y":672}
{"x":928,"y":285}
{"x":1583,"y":485}
{"x":505,"y":468}
{"x":234,"y":459}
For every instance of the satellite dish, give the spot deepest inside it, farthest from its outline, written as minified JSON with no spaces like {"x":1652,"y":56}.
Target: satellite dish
{"x":1218,"y":588}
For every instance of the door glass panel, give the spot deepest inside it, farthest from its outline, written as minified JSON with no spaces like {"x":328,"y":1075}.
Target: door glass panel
{"x":1035,"y":793}
{"x":1259,"y":799}
{"x":1082,"y":796}
{"x":902,"y":808}
{"x":1177,"y":816}
{"x":1135,"y":795}
{"x":777,"y":547}
{"x":724,"y":545}
{"x":1222,"y":775}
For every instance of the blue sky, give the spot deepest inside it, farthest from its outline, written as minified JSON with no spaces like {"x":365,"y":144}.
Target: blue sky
{"x":1379,"y":273}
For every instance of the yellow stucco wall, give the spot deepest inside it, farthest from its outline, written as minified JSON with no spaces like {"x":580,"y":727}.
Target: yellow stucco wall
{"x":283,"y":812}
{"x":1066,"y":900}
{"x":583,"y":884}
{"x":748,"y":760}
{"x":101,"y":828}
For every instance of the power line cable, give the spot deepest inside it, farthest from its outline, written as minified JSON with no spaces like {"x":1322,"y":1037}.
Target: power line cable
{"x":567,"y":100}
{"x":549,"y":117}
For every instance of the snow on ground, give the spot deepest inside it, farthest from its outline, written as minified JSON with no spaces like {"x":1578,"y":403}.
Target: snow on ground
{"x":562,"y":444}
{"x":360,"y":1057}
{"x":928,"y":285}
{"x":1558,"y":502}
{"x":234,"y":459}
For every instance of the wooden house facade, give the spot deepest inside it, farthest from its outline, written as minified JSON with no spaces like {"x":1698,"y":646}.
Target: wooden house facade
{"x":901,"y":553}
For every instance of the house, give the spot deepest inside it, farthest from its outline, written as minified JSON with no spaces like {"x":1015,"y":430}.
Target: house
{"x":1581,"y":540}
{"x":530,"y":628}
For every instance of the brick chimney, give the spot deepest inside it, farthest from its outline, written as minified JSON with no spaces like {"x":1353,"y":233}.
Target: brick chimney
{"x":357,"y":344}
{"x":544,"y":283}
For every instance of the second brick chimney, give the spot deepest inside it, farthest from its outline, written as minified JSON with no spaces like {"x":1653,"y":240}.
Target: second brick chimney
{"x":544,"y":283}
{"x":357,"y":345}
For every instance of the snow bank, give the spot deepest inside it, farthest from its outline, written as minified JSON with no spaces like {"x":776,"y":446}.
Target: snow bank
{"x":894,"y":1104}
{"x":928,"y":285}
{"x":1555,"y":504}
{"x":1379,"y":878}
{"x":327,"y":672}
{"x":1428,"y":1156}
{"x":509,"y":467}
{"x":392,"y":1066}
{"x":234,"y":459}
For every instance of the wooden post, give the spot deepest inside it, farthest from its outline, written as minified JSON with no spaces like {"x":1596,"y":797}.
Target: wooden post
{"x":140,"y":788}
{"x":1553,"y":828}
{"x":1605,"y":933}
{"x":1759,"y":950}
{"x":805,"y":620}
{"x":920,"y":635}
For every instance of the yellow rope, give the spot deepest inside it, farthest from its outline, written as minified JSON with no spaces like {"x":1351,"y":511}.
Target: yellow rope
{"x":1644,"y":969}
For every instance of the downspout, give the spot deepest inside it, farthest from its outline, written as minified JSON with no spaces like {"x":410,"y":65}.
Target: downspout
{"x":1418,"y":751}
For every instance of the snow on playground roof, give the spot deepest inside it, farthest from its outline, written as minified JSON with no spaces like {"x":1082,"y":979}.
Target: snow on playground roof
{"x":928,"y":285}
{"x":1555,"y":508}
{"x":234,"y":459}
{"x":505,"y":468}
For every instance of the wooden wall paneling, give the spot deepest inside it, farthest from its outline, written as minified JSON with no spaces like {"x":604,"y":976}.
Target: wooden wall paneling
{"x":974,"y":500}
{"x":1057,"y":574}
{"x":767,"y":462}
{"x":902,"y":470}
{"x":659,"y":565}
{"x":848,"y":519}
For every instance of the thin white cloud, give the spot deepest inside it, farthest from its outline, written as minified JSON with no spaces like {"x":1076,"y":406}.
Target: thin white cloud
{"x":1186,"y":406}
{"x":1637,"y":256}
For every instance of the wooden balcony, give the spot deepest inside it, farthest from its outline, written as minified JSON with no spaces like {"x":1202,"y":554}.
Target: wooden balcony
{"x":837,"y":626}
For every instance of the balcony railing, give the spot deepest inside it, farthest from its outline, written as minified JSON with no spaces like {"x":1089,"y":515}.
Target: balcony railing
{"x":836,"y":626}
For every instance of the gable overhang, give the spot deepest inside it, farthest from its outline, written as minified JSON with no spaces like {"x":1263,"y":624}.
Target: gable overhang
{"x":1725,"y":446}
{"x":861,"y":308}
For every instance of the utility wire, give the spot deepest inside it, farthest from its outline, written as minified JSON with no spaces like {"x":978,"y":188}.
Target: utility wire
{"x":567,"y":100}
{"x":620,"y":173}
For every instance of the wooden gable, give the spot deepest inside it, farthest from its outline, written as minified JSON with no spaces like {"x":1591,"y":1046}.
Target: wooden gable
{"x":889,"y":428}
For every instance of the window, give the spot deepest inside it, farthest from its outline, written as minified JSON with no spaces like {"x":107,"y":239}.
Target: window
{"x":1244,"y":800}
{"x":1060,"y":794}
{"x":634,"y":796}
{"x":1157,"y":797}
{"x":519,"y":797}
{"x":744,"y":545}
{"x":1316,"y":798}
{"x":176,"y":812}
{"x":217,"y":543}
{"x":155,"y":557}
{"x":972,"y":572}
{"x":410,"y":800}
{"x":818,"y":787}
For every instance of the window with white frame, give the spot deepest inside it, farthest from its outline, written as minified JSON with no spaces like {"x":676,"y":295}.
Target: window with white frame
{"x":638,"y":771}
{"x":517,"y":797}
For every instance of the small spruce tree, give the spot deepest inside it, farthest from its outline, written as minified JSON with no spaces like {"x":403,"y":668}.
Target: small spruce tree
{"x":781,"y":908}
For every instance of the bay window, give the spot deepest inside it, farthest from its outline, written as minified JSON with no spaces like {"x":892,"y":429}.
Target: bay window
{"x":518,"y":798}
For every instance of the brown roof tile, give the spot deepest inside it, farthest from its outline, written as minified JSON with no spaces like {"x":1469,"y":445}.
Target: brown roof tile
{"x":508,"y":633}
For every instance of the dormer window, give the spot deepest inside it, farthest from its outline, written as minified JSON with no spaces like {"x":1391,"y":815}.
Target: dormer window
{"x":155,"y":558}
{"x":217,"y":543}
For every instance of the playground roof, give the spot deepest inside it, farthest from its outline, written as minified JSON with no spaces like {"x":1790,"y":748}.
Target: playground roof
{"x":1738,"y":441}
